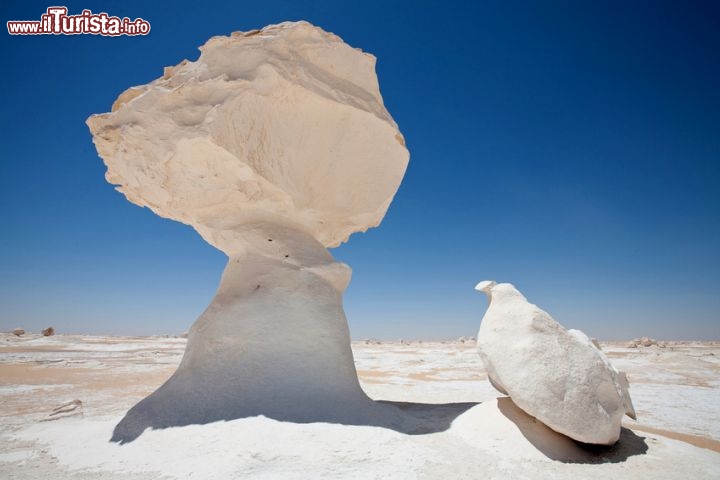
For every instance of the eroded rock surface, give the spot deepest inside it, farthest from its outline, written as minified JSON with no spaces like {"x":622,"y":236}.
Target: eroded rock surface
{"x":285,"y":124}
{"x":556,"y":375}
{"x":273,"y":145}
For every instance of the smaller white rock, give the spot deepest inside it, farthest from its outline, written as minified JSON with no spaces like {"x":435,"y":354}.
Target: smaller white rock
{"x":556,"y":375}
{"x":18,"y":332}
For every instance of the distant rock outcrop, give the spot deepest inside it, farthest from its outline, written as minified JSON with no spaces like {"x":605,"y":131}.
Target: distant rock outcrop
{"x":48,"y":332}
{"x":18,"y":332}
{"x":645,"y":342}
{"x":556,"y":375}
{"x":648,"y":342}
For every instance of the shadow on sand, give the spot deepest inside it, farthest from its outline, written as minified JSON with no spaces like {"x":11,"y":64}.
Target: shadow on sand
{"x":564,"y":449}
{"x":404,"y":417}
{"x":427,"y":418}
{"x":421,"y":419}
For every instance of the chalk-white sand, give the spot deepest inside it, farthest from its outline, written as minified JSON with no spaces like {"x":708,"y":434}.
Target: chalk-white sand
{"x":676,"y":391}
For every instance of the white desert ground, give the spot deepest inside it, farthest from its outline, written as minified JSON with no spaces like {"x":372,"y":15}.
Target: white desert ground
{"x":467,"y":430}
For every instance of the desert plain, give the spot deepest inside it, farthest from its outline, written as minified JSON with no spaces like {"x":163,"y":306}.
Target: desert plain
{"x":466,"y":428}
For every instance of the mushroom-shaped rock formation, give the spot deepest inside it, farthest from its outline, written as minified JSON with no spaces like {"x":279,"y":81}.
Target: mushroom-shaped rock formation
{"x":273,"y":145}
{"x":556,"y":375}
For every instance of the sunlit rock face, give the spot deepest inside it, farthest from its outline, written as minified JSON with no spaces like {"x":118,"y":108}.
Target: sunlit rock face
{"x":284,"y":124}
{"x":273,"y":145}
{"x":556,"y":375}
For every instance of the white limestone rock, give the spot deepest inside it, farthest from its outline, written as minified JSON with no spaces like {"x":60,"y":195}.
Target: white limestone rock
{"x":273,"y":145}
{"x":556,"y":375}
{"x":18,"y":332}
{"x":285,"y":123}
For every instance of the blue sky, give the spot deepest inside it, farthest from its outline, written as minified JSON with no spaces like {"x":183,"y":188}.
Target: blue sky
{"x":571,"y":148}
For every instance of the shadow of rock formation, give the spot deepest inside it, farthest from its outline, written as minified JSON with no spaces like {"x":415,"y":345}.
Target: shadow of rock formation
{"x":404,"y":417}
{"x":424,"y":418}
{"x":564,"y":449}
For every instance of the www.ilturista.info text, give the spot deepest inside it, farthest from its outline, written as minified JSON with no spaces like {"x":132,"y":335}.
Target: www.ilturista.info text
{"x":56,"y":21}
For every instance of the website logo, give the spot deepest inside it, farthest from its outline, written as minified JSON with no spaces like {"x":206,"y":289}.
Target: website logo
{"x":56,"y":21}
